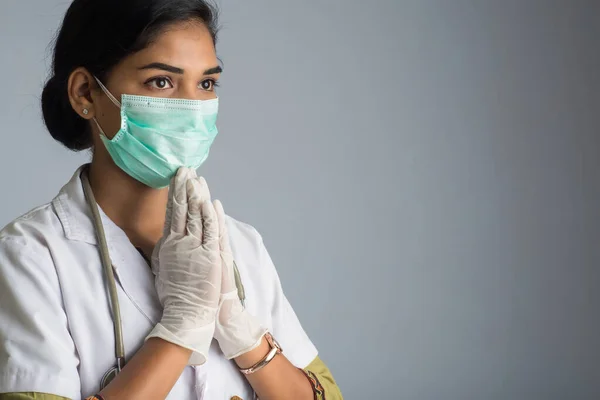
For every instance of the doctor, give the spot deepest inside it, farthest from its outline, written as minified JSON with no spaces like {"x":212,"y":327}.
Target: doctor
{"x":198,"y":310}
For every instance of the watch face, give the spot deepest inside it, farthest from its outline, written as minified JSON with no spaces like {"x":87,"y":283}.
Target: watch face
{"x":274,"y":342}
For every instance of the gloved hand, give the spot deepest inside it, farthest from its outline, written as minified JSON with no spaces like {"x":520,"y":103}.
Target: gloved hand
{"x":237,"y":331}
{"x":187,"y":266}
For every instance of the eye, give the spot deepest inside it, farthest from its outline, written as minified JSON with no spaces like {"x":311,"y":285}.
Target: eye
{"x":160,"y":83}
{"x":209,"y":85}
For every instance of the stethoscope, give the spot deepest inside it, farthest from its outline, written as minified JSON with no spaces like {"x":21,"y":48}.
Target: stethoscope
{"x":112,"y":286}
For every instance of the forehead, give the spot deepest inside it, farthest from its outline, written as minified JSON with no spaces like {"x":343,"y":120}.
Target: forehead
{"x":187,"y":45}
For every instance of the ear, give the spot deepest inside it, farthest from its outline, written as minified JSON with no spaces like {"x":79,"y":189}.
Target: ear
{"x":79,"y":89}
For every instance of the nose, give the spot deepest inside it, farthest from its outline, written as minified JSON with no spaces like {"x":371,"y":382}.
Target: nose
{"x":189,"y":91}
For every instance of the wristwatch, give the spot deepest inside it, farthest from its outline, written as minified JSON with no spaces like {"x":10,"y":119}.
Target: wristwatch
{"x":273,"y":343}
{"x":275,"y":349}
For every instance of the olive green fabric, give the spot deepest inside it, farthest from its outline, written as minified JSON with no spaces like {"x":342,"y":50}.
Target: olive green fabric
{"x":317,"y":367}
{"x":30,"y":396}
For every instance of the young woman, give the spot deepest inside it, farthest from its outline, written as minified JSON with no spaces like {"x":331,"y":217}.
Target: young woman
{"x":132,"y":269}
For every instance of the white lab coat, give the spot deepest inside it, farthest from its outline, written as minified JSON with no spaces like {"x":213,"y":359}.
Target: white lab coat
{"x":56,"y":329}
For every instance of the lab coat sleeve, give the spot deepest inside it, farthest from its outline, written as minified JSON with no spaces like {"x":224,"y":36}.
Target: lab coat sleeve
{"x":296,"y":345}
{"x":37,"y":353}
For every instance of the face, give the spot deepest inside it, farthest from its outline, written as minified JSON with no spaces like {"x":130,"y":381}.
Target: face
{"x":180,"y":63}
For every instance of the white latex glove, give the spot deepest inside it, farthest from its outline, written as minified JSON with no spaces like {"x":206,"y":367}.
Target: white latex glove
{"x":187,"y":266}
{"x":237,"y":331}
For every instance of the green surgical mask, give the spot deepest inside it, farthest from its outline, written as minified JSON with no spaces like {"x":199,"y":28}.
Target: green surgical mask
{"x":160,"y":135}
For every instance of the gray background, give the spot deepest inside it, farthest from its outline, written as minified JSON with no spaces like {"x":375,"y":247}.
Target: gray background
{"x":426,"y":175}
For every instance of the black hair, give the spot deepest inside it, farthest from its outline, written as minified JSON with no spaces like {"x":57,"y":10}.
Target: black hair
{"x":97,"y":35}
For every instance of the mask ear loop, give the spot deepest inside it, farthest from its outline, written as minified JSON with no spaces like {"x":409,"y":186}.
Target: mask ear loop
{"x":110,"y":97}
{"x":108,"y":93}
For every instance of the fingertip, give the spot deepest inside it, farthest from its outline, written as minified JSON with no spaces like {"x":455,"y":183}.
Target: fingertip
{"x":218,"y":206}
{"x":202,"y":182}
{"x":203,"y":185}
{"x":180,"y":187}
{"x":181,"y":173}
{"x":179,"y":202}
{"x":189,"y":185}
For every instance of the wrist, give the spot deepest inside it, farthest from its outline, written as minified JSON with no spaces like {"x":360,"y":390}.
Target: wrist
{"x":273,"y":350}
{"x":239,"y":335}
{"x":181,"y":314}
{"x":251,"y":357}
{"x":166,"y":346}
{"x":195,"y":340}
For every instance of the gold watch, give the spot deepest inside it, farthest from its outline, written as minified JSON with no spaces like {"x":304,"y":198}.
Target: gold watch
{"x":275,"y":349}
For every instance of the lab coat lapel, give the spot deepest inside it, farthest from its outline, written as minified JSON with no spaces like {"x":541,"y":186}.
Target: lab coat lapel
{"x":133,"y":272}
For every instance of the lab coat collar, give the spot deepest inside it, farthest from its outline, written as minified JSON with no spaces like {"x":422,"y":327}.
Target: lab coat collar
{"x":75,"y":215}
{"x":131,"y":270}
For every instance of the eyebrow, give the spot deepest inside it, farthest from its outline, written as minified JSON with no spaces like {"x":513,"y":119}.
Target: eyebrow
{"x":213,"y":70}
{"x":164,"y":67}
{"x":176,"y":70}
